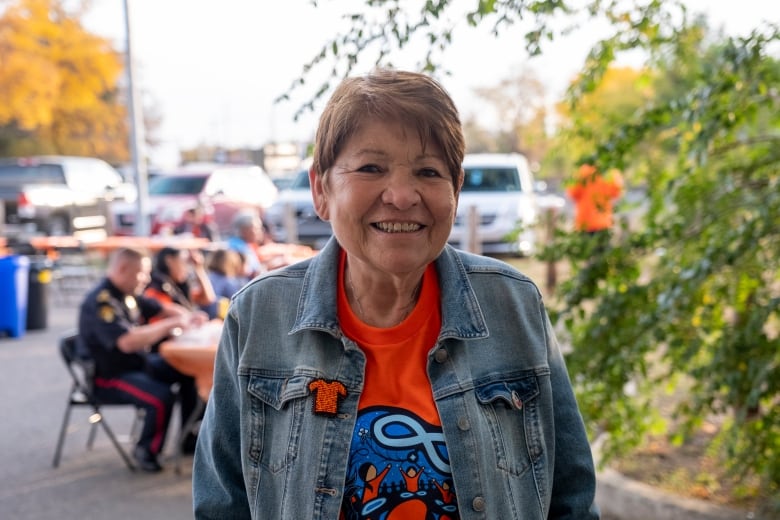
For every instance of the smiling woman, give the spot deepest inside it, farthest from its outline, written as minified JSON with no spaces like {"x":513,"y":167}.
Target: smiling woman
{"x":415,"y":380}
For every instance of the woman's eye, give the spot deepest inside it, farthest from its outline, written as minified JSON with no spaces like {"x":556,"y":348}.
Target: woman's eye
{"x":429,"y":172}
{"x":369,"y":168}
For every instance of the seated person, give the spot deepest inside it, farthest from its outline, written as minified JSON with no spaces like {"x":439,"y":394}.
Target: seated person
{"x":195,"y":223}
{"x":179,"y":276}
{"x":114,"y":323}
{"x":249,"y":238}
{"x":225,"y":268}
{"x":248,"y":235}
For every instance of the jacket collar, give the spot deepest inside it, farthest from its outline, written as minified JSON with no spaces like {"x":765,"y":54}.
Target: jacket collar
{"x":461,"y":314}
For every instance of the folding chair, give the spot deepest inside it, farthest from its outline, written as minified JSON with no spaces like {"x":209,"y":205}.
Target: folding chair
{"x":190,"y":427}
{"x":82,"y":370}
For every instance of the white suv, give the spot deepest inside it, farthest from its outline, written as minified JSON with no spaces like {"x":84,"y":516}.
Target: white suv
{"x":501,"y":189}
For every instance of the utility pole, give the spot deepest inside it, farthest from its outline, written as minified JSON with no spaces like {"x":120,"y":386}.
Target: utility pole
{"x":137,"y":137}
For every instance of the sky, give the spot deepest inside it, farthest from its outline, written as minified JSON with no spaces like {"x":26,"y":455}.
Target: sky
{"x":213,"y":69}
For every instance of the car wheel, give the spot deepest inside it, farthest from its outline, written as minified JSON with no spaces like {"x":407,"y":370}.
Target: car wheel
{"x":58,"y":226}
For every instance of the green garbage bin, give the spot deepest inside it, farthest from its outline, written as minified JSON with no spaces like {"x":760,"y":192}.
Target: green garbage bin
{"x":38,"y":293}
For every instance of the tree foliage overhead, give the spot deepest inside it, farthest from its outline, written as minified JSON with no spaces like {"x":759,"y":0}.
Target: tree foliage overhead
{"x":518,"y":102}
{"x":381,"y":28}
{"x":688,"y":301}
{"x":58,"y":84}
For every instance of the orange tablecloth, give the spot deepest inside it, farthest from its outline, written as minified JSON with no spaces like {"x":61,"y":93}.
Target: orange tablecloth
{"x":149,"y":243}
{"x":280,"y":254}
{"x":46,"y":243}
{"x":193,"y":354}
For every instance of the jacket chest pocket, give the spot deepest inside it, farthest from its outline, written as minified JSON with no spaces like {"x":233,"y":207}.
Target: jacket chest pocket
{"x":277,"y":409}
{"x":511,"y":409}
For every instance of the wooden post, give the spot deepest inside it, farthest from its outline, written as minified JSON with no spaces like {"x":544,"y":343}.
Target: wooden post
{"x":2,"y":218}
{"x":551,"y":216}
{"x":472,"y":238}
{"x":290,"y":224}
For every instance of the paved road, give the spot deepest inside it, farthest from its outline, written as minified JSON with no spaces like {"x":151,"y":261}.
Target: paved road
{"x":88,"y":484}
{"x":96,"y":484}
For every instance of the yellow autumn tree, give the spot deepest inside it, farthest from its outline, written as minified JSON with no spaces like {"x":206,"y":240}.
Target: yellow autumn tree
{"x":58,"y":84}
{"x":621,"y":92}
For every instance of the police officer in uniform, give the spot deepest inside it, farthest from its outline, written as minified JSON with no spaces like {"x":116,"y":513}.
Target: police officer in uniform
{"x":114,"y":325}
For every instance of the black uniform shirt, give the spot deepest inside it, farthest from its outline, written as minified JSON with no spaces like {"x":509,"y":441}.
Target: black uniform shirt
{"x":105,"y":315}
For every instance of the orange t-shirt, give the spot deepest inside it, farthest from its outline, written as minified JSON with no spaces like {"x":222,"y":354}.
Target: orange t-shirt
{"x":398,"y":464}
{"x":593,"y":194}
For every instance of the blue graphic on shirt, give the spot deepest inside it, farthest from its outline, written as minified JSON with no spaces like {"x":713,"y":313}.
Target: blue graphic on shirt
{"x":398,"y":469}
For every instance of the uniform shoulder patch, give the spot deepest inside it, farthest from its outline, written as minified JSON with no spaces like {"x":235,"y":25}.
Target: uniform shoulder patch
{"x":106,"y":313}
{"x":103,"y":296}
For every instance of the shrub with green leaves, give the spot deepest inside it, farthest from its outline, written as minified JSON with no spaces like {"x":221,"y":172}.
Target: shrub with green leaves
{"x":677,"y":318}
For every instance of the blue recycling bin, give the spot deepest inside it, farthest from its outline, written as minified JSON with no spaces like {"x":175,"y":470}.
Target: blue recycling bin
{"x":14,"y":275}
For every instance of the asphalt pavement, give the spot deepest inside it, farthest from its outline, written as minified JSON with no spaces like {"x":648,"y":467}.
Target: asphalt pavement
{"x":88,"y":484}
{"x":96,"y":484}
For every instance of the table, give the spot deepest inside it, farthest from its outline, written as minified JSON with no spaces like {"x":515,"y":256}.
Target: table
{"x":47,"y":243}
{"x":152,"y":244}
{"x":192,"y":353}
{"x":280,"y":254}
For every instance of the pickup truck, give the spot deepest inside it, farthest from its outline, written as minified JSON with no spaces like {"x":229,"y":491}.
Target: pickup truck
{"x":59,"y":195}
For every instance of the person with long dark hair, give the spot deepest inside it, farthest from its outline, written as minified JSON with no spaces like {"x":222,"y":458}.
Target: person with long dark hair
{"x":179,"y":276}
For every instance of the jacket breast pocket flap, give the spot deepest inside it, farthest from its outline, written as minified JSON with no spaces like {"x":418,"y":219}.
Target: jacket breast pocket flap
{"x":277,"y":391}
{"x":515,"y":393}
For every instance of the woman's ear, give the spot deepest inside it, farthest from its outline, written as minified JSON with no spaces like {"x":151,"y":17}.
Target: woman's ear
{"x":319,"y":193}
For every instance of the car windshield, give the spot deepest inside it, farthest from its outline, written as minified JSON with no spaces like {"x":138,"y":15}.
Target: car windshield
{"x":177,"y":185}
{"x":12,"y":174}
{"x":301,"y":181}
{"x":491,"y":179}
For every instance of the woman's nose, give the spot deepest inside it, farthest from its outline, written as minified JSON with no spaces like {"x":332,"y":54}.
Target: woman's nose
{"x":401,"y":189}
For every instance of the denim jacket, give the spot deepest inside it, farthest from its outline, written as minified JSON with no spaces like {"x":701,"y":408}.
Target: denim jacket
{"x":514,"y":434}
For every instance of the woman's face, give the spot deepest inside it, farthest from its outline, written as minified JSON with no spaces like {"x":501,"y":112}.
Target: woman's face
{"x":391,"y":204}
{"x":178,"y":266}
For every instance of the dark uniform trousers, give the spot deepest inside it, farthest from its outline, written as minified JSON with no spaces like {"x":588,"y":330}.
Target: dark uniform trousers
{"x":154,"y":391}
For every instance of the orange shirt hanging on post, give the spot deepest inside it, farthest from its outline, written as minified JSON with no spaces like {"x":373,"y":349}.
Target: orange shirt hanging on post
{"x":593,"y":194}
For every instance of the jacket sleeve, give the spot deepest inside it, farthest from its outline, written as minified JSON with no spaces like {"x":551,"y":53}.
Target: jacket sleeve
{"x":218,"y":485}
{"x":574,"y":475}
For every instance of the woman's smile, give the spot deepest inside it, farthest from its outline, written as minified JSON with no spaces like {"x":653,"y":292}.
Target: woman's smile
{"x":397,"y":227}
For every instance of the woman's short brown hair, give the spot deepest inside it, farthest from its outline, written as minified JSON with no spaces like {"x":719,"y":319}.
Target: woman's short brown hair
{"x":407,"y":97}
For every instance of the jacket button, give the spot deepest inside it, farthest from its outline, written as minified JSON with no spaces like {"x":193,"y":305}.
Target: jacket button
{"x":478,"y":504}
{"x":440,"y":355}
{"x":463,"y":423}
{"x":517,"y":401}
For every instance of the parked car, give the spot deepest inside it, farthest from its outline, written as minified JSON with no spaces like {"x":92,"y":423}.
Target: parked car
{"x":501,"y":189}
{"x":221,"y":190}
{"x":282,"y":182}
{"x":59,"y":195}
{"x":309,"y":228}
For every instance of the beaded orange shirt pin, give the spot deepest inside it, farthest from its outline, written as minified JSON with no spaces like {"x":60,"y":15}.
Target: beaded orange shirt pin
{"x":327,"y":396}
